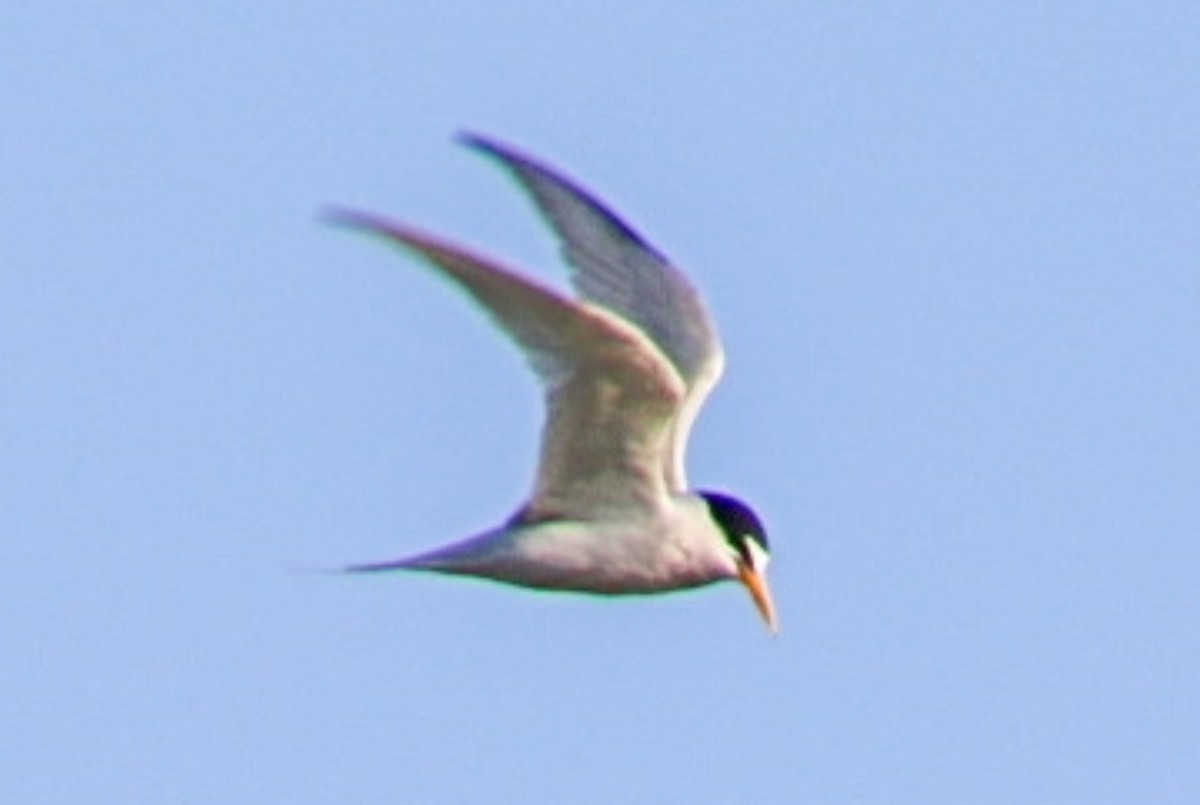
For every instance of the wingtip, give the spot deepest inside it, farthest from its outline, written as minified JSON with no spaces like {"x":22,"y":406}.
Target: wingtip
{"x":482,"y":143}
{"x":368,"y":223}
{"x":505,"y":153}
{"x":471,"y":139}
{"x":347,"y":218}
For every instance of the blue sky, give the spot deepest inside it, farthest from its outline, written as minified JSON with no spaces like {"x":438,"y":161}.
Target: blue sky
{"x":953,"y":250}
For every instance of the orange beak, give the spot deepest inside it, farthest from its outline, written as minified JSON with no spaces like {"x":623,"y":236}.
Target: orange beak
{"x":756,"y":583}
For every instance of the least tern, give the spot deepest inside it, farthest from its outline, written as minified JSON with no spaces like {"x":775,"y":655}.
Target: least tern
{"x":625,"y":368}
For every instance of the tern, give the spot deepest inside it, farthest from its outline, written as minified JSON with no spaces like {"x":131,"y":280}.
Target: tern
{"x":625,"y":368}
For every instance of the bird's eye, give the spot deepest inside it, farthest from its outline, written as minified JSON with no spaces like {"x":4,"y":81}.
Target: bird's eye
{"x":740,"y":546}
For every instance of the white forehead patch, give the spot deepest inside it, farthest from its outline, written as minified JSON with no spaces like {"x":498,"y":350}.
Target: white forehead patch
{"x":759,"y":559}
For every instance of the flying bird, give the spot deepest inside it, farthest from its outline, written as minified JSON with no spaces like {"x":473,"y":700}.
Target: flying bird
{"x":625,"y":368}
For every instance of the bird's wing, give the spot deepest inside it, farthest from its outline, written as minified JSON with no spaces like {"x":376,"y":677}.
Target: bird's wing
{"x":616,"y":268}
{"x":611,"y":395}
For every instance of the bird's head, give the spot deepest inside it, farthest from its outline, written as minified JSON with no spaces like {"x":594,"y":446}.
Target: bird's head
{"x":746,"y":539}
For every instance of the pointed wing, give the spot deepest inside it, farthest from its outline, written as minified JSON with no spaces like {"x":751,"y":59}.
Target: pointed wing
{"x":611,"y":395}
{"x":616,"y":268}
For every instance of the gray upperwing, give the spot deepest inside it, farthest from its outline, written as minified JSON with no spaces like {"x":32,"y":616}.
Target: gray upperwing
{"x":617,"y":268}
